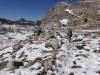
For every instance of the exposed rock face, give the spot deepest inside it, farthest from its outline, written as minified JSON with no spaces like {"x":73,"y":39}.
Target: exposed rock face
{"x":88,"y":9}
{"x":79,"y":13}
{"x":54,"y":43}
{"x":57,"y":13}
{"x":48,"y":35}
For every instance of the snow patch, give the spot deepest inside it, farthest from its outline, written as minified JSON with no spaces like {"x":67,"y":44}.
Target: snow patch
{"x":64,"y":21}
{"x":68,"y":10}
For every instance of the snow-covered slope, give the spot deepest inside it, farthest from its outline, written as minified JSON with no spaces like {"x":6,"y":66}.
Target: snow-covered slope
{"x":79,"y":57}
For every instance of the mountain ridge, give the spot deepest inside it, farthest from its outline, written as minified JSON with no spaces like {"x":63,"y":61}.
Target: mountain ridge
{"x":79,"y":13}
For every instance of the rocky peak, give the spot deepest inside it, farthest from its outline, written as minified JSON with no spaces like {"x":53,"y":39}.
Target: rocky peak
{"x":79,"y":13}
{"x":58,"y":12}
{"x":85,"y":1}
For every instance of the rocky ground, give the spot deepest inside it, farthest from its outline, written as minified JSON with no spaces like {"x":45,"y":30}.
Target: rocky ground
{"x":21,"y":54}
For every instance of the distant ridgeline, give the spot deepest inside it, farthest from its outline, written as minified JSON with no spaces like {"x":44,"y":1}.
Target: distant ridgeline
{"x":19,"y":22}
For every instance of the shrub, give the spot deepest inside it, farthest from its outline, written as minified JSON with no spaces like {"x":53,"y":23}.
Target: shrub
{"x":80,"y":47}
{"x":39,"y":31}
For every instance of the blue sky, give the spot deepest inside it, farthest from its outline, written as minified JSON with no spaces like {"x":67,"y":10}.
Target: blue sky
{"x":28,"y":9}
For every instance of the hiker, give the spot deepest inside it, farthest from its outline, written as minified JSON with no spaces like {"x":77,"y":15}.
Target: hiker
{"x":69,"y":34}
